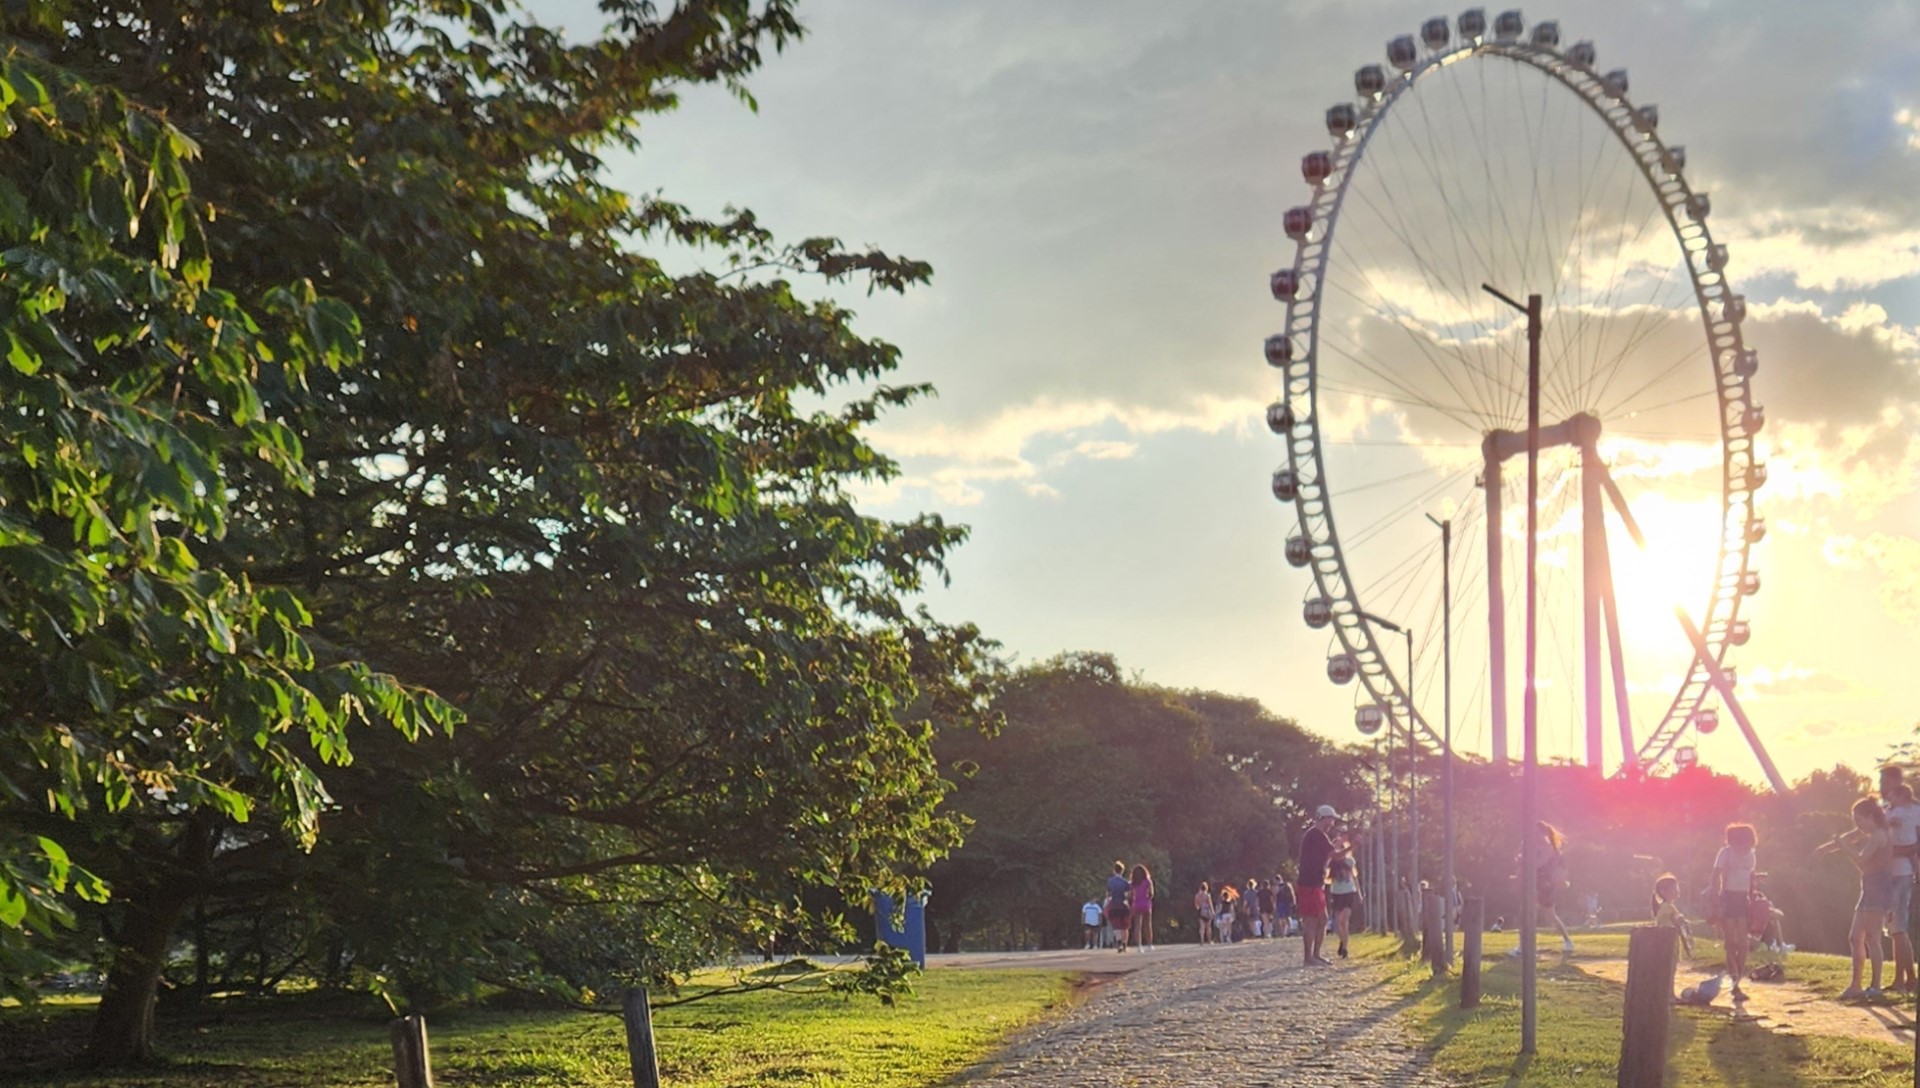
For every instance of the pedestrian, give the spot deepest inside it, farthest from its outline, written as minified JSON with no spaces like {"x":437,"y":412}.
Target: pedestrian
{"x":1868,"y":845}
{"x":1283,"y":904}
{"x":1203,"y":911}
{"x":1091,"y":918}
{"x":1266,"y":909}
{"x":1223,"y":914}
{"x":1549,"y":876}
{"x":1142,"y":908}
{"x":1732,"y":895}
{"x":1310,"y":887}
{"x":1343,"y":890}
{"x":1903,"y":833}
{"x":1119,"y":904}
{"x":1665,"y":906}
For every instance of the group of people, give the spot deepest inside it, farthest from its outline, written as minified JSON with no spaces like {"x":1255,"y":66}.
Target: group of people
{"x":1252,"y":910}
{"x":1882,"y":846}
{"x":1127,"y":910}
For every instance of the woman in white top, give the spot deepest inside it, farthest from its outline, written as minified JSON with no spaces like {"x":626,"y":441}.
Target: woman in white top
{"x":1732,"y":889}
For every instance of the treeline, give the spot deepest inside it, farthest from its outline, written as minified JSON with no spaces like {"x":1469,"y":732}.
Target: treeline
{"x":1090,"y":766}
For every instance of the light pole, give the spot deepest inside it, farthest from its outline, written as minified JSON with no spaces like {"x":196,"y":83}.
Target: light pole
{"x":1530,"y":752}
{"x":1446,"y":766}
{"x":1413,"y":761}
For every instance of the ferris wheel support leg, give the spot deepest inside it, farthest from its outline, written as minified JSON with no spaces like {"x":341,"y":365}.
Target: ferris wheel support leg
{"x":1616,"y":652}
{"x":1718,"y":677}
{"x":1703,"y":654}
{"x":1593,"y":588}
{"x":1496,"y":608}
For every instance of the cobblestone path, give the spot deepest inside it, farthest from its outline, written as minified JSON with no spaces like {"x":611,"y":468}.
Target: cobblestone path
{"x":1248,"y":1015}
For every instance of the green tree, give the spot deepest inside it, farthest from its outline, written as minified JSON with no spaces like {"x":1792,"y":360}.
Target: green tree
{"x":1089,"y":767}
{"x":590,"y":502}
{"x":152,"y":696}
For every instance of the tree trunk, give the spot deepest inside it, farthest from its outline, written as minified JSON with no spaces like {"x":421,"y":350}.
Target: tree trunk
{"x":170,"y":875}
{"x":123,"y":1027}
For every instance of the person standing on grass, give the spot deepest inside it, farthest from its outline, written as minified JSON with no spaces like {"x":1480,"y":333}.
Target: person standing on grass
{"x":1310,"y":888}
{"x":1732,"y":891}
{"x":1871,"y":850}
{"x":1142,"y":908}
{"x":1903,"y":832}
{"x":1665,"y":908}
{"x":1119,"y":904}
{"x":1203,"y":911}
{"x":1343,"y":891}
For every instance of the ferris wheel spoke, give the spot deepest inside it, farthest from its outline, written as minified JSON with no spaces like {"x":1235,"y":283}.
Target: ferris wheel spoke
{"x":1454,"y":411}
{"x":1403,"y":234}
{"x":1573,"y":341}
{"x":1619,"y":408}
{"x":1605,"y":305}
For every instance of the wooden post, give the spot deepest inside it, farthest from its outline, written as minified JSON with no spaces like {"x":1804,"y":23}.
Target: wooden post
{"x":1473,"y":919}
{"x":1652,"y":954}
{"x":640,"y":1052}
{"x":1430,"y":941}
{"x":411,"y":1064}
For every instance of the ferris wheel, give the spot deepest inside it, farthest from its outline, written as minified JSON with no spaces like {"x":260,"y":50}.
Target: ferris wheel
{"x":1484,"y":157}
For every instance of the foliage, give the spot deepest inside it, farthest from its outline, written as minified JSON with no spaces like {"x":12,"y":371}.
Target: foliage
{"x":147,"y":685}
{"x":590,"y":502}
{"x":1089,"y":767}
{"x":957,"y":1019}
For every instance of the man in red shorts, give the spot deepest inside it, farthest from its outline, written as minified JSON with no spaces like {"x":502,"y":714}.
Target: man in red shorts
{"x":1310,"y":890}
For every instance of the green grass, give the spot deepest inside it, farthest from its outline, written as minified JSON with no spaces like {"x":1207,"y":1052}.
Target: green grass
{"x":1579,"y":1027}
{"x":954,"y":1019}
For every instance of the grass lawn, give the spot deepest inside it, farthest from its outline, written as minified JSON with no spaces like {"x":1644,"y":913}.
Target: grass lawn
{"x":1579,"y":1026}
{"x":954,"y":1019}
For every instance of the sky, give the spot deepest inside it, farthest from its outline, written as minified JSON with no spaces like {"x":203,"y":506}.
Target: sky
{"x":1100,"y":184}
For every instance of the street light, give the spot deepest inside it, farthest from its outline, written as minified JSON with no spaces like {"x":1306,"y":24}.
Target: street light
{"x":1446,"y":771}
{"x":1529,"y":1013}
{"x":1413,"y":757}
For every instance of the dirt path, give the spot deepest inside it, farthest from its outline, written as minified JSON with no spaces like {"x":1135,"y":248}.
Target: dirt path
{"x":1787,"y":1007}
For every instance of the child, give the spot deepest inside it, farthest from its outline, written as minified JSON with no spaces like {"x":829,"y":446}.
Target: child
{"x":1666,"y":909}
{"x":1090,"y":918}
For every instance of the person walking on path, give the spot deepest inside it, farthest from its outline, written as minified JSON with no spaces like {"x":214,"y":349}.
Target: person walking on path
{"x":1282,"y":903}
{"x":1119,"y":904}
{"x":1142,"y":908}
{"x":1266,"y":909}
{"x":1733,"y":869}
{"x":1090,"y":918}
{"x":1903,"y":833}
{"x":1310,"y":890}
{"x":1870,"y":849}
{"x":1203,"y":910}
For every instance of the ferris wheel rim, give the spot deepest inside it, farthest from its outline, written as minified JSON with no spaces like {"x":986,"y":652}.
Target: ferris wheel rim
{"x":1296,"y":419}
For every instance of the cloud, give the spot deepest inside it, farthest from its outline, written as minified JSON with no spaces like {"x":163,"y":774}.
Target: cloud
{"x":1790,"y":681}
{"x":1895,"y":558}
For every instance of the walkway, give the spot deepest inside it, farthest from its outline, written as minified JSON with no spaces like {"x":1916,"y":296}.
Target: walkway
{"x":1248,"y":1015}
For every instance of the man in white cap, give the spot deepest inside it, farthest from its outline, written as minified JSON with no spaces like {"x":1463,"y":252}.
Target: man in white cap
{"x":1310,"y":889}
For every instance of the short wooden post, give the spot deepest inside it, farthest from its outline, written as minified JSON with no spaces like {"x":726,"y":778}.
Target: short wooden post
{"x":411,"y":1064}
{"x":1430,"y":941}
{"x":640,"y":1052}
{"x":1473,"y":921}
{"x":1652,"y":955}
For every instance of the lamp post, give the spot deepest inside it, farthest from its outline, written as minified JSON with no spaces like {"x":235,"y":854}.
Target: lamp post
{"x":1529,"y":1013}
{"x":1413,"y":759}
{"x":1446,"y":766}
